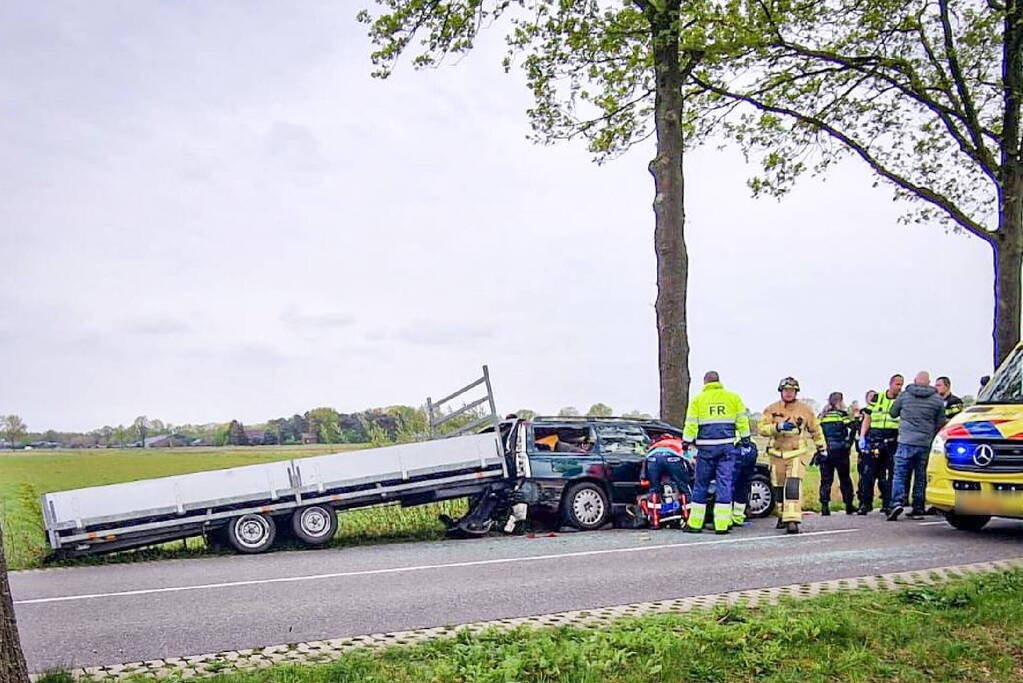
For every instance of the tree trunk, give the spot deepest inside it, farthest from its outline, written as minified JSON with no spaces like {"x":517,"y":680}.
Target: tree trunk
{"x":1007,"y":244}
{"x":669,"y":213}
{"x":12,"y":661}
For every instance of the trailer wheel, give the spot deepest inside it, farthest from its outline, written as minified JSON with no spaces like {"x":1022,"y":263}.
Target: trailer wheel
{"x":252,"y":533}
{"x":586,"y":506}
{"x":314,"y":525}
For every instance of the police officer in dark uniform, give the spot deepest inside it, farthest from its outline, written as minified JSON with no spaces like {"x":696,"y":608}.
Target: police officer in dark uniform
{"x":953,"y":404}
{"x":839,"y":434}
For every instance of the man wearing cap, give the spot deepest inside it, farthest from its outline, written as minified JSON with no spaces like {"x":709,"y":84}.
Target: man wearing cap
{"x":715,"y":421}
{"x":785,"y":423}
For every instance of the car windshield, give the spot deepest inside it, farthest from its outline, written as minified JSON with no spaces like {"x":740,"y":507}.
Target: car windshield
{"x":622,"y":439}
{"x":1007,"y":384}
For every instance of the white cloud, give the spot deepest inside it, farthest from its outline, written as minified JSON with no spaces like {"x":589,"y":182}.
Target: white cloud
{"x":318,"y":319}
{"x":442,"y":333}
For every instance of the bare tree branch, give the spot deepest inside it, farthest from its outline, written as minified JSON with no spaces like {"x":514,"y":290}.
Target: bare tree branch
{"x":927,"y":194}
{"x":969,"y":109}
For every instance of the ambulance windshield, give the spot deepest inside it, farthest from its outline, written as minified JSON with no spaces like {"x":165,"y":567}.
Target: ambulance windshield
{"x":1006,"y":385}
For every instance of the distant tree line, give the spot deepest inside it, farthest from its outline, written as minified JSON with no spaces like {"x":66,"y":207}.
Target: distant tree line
{"x":376,"y":426}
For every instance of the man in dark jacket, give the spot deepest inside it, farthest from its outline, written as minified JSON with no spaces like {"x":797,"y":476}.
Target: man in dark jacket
{"x":953,"y":404}
{"x":921,"y":413}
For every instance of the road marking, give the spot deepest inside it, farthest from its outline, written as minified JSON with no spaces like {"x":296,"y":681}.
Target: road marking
{"x":425,"y":567}
{"x":932,"y":523}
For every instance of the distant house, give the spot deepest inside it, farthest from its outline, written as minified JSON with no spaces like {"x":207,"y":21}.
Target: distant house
{"x":167,"y":441}
{"x":202,"y":442}
{"x":308,"y":437}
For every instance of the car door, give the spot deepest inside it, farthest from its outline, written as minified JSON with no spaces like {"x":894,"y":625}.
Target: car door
{"x":623,"y":447}
{"x":551,"y":465}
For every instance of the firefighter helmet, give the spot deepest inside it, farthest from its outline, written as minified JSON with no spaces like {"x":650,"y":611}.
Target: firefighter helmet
{"x":788,"y":383}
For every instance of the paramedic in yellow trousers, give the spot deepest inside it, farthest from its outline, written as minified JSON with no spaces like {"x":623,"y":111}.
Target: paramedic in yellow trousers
{"x":786,"y":424}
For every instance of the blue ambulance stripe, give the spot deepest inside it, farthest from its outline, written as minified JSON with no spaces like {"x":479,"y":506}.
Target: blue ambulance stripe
{"x":983,"y":429}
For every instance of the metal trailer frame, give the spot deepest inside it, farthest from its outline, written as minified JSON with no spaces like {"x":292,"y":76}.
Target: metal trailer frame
{"x":435,"y":412}
{"x":412,"y":474}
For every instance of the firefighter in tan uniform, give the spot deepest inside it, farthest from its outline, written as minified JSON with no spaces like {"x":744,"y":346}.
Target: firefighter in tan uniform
{"x":787,"y":424}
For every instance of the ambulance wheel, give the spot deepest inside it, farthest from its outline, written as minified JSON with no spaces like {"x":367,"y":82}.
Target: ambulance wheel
{"x":314,"y":525}
{"x":761,"y":497}
{"x":586,"y":506}
{"x":252,"y":533}
{"x":967,"y":522}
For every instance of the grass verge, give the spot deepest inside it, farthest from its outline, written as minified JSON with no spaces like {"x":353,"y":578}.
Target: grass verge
{"x":969,"y":630}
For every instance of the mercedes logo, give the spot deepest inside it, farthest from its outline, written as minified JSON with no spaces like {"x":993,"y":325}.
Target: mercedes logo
{"x":983,"y":456}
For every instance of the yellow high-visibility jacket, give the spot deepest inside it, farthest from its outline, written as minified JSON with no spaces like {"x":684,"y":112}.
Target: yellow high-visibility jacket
{"x":716,"y":416}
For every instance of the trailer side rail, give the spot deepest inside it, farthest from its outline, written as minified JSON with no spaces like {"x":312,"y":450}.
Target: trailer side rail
{"x":439,"y":412}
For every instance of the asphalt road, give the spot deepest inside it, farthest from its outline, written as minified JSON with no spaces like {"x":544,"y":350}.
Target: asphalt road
{"x":88,"y":616}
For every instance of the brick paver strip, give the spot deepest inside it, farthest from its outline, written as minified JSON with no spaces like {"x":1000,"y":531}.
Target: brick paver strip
{"x":327,"y":650}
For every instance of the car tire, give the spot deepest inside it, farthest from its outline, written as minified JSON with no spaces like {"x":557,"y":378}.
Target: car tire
{"x":314,"y":525}
{"x":761,"y":497}
{"x":967,"y":522}
{"x":586,"y":506}
{"x":252,"y":533}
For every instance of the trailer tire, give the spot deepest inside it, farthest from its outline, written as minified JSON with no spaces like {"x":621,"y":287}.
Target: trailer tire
{"x":314,"y":525}
{"x":252,"y":533}
{"x":587,"y":506}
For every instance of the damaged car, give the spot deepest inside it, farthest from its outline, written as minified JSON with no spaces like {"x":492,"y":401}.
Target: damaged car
{"x":585,"y":472}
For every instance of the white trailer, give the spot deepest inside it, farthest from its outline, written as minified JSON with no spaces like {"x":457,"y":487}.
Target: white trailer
{"x":247,"y":504}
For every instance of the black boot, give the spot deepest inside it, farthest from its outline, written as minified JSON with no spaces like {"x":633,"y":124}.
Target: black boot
{"x":792,"y":528}
{"x":850,"y":509}
{"x":780,"y":524}
{"x":825,"y":509}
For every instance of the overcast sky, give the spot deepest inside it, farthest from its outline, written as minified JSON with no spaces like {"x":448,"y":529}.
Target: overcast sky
{"x":211,"y":211}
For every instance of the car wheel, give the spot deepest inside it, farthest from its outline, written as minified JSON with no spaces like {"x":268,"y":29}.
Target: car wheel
{"x":314,"y":525}
{"x":967,"y":522}
{"x":761,"y":497}
{"x":587,"y":506}
{"x":253,"y":533}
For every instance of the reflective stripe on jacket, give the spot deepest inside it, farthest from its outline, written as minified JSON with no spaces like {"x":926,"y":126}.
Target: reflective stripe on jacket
{"x":787,"y":444}
{"x":953,"y":406}
{"x":716,"y":416}
{"x":880,"y":415}
{"x":837,"y":427}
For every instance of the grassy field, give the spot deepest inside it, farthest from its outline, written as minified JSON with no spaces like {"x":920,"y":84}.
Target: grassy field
{"x":25,"y":475}
{"x":970,"y":630}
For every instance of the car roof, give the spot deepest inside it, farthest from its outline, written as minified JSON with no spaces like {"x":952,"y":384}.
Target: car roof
{"x":584,"y":419}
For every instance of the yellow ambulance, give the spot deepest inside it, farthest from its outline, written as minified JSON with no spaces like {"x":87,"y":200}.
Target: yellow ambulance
{"x":975,"y":471}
